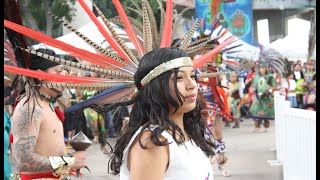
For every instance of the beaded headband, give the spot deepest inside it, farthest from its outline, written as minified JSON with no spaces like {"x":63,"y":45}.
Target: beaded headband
{"x":175,"y":63}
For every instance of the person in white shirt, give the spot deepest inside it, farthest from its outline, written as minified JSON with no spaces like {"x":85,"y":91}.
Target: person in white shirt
{"x":165,"y":137}
{"x":291,"y":95}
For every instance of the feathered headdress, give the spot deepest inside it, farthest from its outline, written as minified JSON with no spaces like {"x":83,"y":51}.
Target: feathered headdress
{"x":118,"y":63}
{"x":272,"y":60}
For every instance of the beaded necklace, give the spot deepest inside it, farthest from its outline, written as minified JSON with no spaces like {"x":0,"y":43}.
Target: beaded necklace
{"x":49,"y":99}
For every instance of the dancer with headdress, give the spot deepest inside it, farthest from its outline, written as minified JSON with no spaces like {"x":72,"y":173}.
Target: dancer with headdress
{"x":214,"y":109}
{"x":37,"y":133}
{"x":264,"y":84}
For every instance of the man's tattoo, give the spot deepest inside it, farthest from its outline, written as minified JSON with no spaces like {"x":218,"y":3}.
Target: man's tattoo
{"x":24,"y":119}
{"x":26,"y":159}
{"x":23,"y":148}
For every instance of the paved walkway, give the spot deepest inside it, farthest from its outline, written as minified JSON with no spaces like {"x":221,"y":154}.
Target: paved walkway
{"x":248,"y":154}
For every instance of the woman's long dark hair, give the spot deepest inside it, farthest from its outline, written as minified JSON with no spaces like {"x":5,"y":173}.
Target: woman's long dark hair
{"x":151,"y":107}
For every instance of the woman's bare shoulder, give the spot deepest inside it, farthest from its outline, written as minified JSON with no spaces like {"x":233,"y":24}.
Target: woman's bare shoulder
{"x":150,"y":162}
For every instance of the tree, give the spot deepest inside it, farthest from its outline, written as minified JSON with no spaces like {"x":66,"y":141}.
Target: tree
{"x":35,"y":15}
{"x":109,"y":10}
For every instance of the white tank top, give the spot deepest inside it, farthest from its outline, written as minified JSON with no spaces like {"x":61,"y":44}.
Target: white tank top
{"x":187,"y":161}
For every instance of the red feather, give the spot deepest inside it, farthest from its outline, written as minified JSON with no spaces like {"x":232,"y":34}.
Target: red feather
{"x":131,"y":34}
{"x":231,"y":62}
{"x":223,"y":33}
{"x":213,"y":85}
{"x":80,"y":53}
{"x":167,"y":30}
{"x":203,"y":59}
{"x":113,"y":43}
{"x":51,"y":77}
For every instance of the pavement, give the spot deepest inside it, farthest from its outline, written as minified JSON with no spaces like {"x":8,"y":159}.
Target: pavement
{"x":247,"y":152}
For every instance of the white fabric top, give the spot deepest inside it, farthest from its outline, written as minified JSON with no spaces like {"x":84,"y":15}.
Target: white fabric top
{"x":187,"y":161}
{"x":297,"y":74}
{"x":292,"y":87}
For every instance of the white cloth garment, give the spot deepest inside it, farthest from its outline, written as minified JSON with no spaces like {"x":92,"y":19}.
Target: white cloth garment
{"x":297,"y":74}
{"x":292,"y":87}
{"x":187,"y":161}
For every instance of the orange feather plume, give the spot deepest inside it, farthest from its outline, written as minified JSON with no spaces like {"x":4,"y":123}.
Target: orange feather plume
{"x":80,"y":53}
{"x":113,"y":43}
{"x":203,"y":59}
{"x":51,"y":77}
{"x":130,"y":32}
{"x":167,"y":31}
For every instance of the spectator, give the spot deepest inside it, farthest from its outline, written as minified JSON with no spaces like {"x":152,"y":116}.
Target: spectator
{"x":291,"y":95}
{"x":311,"y":99}
{"x":299,"y":78}
{"x":309,"y":73}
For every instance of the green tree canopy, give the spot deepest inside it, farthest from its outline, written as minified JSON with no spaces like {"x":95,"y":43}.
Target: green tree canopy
{"x":109,"y":10}
{"x":35,"y":15}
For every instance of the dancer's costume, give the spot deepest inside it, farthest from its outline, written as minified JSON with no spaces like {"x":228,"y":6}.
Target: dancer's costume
{"x":117,"y":63}
{"x":262,"y":107}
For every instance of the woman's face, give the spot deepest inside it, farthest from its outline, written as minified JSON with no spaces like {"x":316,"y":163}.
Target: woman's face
{"x":187,"y":86}
{"x":297,"y":68}
{"x":263,"y":70}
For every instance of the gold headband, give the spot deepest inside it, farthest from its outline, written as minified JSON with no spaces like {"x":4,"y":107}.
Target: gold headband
{"x":175,"y":63}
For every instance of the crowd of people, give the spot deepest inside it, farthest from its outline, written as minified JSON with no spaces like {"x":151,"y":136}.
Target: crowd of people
{"x":249,"y":96}
{"x":299,"y":85}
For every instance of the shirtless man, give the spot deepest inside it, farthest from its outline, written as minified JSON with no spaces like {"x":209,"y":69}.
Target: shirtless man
{"x":38,"y":139}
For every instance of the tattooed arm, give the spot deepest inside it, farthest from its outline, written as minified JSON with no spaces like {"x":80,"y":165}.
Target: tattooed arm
{"x":25,"y":129}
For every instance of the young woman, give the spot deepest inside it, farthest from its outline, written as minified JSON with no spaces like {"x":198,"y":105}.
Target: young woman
{"x":164,"y":138}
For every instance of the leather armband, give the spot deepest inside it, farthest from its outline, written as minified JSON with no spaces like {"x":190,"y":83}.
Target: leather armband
{"x":61,"y":165}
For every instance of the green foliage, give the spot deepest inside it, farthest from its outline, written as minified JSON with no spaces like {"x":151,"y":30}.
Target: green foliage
{"x":108,"y":9}
{"x":61,"y":8}
{"x":39,"y":13}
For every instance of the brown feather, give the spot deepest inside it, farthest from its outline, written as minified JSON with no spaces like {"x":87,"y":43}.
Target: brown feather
{"x":147,"y":36}
{"x":198,"y":41}
{"x":91,"y":87}
{"x":133,"y":59}
{"x":109,"y":73}
{"x":154,"y":29}
{"x":187,"y":39}
{"x":162,"y":17}
{"x":134,"y":10}
{"x":90,"y":42}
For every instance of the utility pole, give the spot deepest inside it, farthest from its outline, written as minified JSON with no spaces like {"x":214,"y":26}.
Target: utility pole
{"x":312,"y":35}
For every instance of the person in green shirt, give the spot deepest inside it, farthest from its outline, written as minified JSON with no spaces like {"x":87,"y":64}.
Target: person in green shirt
{"x":262,"y":108}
